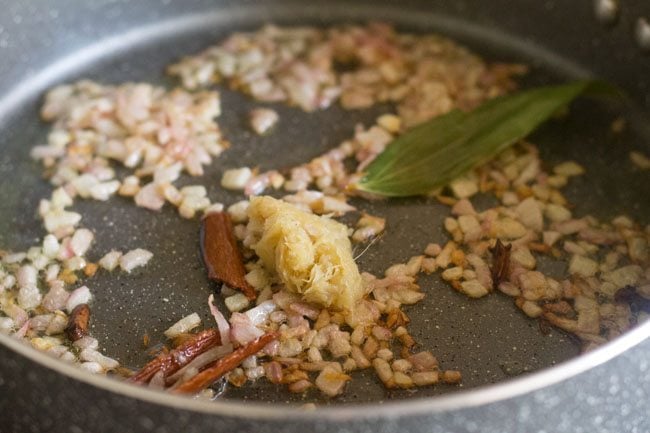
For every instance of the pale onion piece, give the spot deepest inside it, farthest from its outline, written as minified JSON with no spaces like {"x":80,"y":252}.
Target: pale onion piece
{"x":331,"y":381}
{"x":390,"y":123}
{"x":92,"y":355}
{"x":45,"y":343}
{"x":339,"y":346}
{"x":183,"y":326}
{"x":222,"y":323}
{"x":533,"y":285}
{"x":168,"y":174}
{"x":383,"y":370}
{"x":331,"y":206}
{"x":508,"y":228}
{"x":83,"y":184}
{"x":27,"y":276}
{"x":250,"y":362}
{"x":470,"y":227}
{"x":130,"y":186}
{"x":257,"y":278}
{"x":58,"y":324}
{"x":75,"y":263}
{"x":424,"y":378}
{"x":463,"y":207}
{"x":56,"y":220}
{"x":260,"y":314}
{"x":452,"y":274}
{"x":582,"y":266}
{"x":60,"y":199}
{"x":78,"y":296}
{"x":239,"y":211}
{"x":510,"y":198}
{"x":263,"y":119}
{"x":532,"y":309}
{"x":56,"y":297}
{"x":186,"y":212}
{"x":432,"y":250}
{"x":194,"y":191}
{"x":481,"y":268}
{"x":312,"y":255}
{"x":473,"y":289}
{"x":214,"y":207}
{"x":195,"y":203}
{"x":50,"y":246}
{"x":524,"y":257}
{"x":14,"y":258}
{"x":81,"y":241}
{"x":68,"y":356}
{"x":41,"y":322}
{"x":464,"y":187}
{"x":257,"y":372}
{"x":8,"y":282}
{"x":569,"y":168}
{"x":289,"y":348}
{"x":236,"y":302}
{"x":529,"y":213}
{"x":242,"y":329}
{"x":111,"y":260}
{"x":134,"y":259}
{"x":423,"y":361}
{"x":149,"y":197}
{"x":557,"y":213}
{"x":92,"y":367}
{"x":29,"y":297}
{"x":368,"y":226}
{"x":624,"y":276}
{"x":6,"y":325}
{"x":103,"y":191}
{"x":87,"y":342}
{"x":550,"y":237}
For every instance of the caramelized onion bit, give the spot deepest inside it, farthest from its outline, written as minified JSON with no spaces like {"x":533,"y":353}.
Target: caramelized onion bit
{"x":221,"y":256}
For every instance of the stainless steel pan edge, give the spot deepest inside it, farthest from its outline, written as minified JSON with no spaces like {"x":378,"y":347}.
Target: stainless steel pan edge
{"x":556,"y":400}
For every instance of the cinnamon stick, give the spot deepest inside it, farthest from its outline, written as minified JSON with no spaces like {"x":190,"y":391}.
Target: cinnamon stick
{"x":221,"y":256}
{"x":171,"y":362}
{"x":222,"y":366}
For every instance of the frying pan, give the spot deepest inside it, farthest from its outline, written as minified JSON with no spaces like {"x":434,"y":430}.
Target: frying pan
{"x":514,"y":378}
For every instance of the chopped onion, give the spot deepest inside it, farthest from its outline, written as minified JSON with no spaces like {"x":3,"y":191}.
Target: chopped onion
{"x":183,"y":326}
{"x":222,"y":323}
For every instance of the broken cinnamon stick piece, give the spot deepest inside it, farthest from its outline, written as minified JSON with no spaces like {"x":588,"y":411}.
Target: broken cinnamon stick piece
{"x":222,"y":366}
{"x":221,"y":256}
{"x":171,"y":362}
{"x":500,"y":268}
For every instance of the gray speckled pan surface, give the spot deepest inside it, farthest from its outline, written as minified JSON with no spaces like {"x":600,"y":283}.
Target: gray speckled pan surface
{"x":488,"y":339}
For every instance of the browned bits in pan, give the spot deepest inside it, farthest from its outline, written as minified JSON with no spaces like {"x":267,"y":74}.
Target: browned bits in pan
{"x":222,"y":366}
{"x":173,"y":361}
{"x":77,"y":326}
{"x":221,"y":256}
{"x":500,"y":268}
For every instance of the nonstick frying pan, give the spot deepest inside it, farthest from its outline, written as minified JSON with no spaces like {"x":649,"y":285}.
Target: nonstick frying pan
{"x":514,"y":378}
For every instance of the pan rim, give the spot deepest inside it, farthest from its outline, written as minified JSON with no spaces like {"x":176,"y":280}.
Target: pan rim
{"x":480,"y":396}
{"x":250,"y":410}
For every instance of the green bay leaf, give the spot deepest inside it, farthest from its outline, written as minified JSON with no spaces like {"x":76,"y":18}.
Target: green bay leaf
{"x":436,"y":152}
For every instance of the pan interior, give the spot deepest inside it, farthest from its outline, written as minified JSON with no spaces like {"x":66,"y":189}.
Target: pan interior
{"x":488,"y":339}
